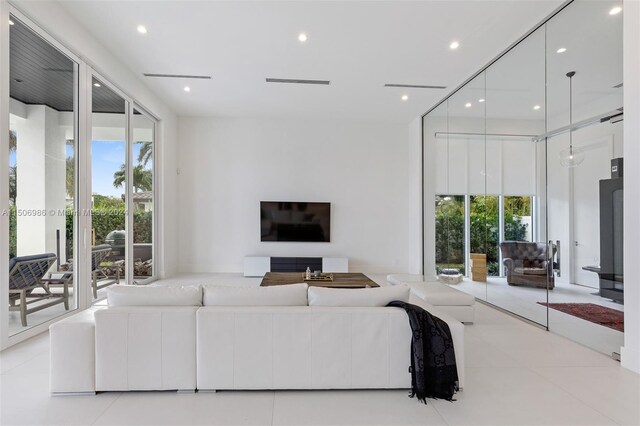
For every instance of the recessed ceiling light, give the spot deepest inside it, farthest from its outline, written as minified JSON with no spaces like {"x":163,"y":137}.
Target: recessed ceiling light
{"x":11,"y":22}
{"x":97,"y":84}
{"x":615,"y":10}
{"x":454,"y":45}
{"x":481,"y":100}
{"x":187,"y":88}
{"x":405,"y":97}
{"x":467,"y":105}
{"x":302,"y":37}
{"x":536,"y":107}
{"x":142,"y":29}
{"x":561,"y":50}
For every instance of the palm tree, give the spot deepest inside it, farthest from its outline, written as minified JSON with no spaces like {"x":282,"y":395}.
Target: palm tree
{"x":146,"y":153}
{"x":142,"y":178}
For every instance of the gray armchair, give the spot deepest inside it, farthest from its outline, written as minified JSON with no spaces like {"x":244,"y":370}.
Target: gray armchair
{"x":526,"y":264}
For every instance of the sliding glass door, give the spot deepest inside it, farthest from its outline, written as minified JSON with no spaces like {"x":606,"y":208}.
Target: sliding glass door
{"x":109,"y":177}
{"x":43,"y":154}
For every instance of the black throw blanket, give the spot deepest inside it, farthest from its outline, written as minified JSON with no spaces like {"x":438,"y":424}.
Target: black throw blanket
{"x":433,"y":362}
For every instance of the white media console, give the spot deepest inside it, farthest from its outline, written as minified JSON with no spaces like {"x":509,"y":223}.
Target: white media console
{"x":257,"y":266}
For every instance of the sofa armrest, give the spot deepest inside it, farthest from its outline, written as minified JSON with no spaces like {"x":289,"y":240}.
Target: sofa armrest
{"x":508,"y":263}
{"x":72,"y":354}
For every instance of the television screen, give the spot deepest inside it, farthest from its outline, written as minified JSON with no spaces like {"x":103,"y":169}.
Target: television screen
{"x":292,"y":221}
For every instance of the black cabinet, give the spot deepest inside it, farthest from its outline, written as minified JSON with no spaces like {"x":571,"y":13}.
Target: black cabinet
{"x":295,"y":264}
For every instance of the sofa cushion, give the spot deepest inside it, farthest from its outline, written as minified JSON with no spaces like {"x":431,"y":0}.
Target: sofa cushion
{"x":133,"y":295}
{"x":379,"y":296}
{"x":284,"y":295}
{"x":530,"y":271}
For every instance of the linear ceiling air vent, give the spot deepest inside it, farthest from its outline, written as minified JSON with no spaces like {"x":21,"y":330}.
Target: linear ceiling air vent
{"x":414,"y":86}
{"x":297,"y":81}
{"x":205,"y":77}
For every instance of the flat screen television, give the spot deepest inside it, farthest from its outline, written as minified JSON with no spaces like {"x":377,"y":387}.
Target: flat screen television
{"x":295,"y":221}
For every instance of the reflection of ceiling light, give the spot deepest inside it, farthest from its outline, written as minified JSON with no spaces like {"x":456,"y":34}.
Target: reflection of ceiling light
{"x":142,"y":29}
{"x":405,"y":97}
{"x":454,"y":45}
{"x":467,"y":105}
{"x":187,"y":88}
{"x":536,"y":107}
{"x":561,"y":50}
{"x":481,"y":100}
{"x":11,"y":22}
{"x":97,"y":84}
{"x":302,"y":37}
{"x":615,"y":10}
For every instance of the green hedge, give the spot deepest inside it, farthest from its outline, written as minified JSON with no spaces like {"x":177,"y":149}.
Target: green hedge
{"x":103,"y":221}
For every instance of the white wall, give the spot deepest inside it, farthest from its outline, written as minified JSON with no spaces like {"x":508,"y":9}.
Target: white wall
{"x":631,"y":349}
{"x":227,"y":166}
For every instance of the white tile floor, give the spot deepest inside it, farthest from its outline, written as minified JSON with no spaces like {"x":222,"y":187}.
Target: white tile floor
{"x":517,"y":374}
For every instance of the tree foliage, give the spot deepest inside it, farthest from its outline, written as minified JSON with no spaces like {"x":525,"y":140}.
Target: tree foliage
{"x":484,"y":228}
{"x":142,"y":178}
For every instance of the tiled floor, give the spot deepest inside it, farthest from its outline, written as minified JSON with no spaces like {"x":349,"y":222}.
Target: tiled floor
{"x":517,"y":374}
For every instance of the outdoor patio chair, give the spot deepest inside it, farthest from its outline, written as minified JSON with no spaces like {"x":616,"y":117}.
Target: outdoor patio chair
{"x":98,"y":255}
{"x":26,"y":274}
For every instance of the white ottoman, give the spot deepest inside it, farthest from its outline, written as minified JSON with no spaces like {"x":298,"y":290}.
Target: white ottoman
{"x":397,"y":279}
{"x":453,"y":302}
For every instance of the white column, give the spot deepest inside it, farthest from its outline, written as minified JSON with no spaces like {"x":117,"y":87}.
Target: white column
{"x":630,"y":352}
{"x":41,"y":162}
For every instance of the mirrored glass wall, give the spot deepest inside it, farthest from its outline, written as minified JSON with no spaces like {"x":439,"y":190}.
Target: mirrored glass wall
{"x":523,"y":178}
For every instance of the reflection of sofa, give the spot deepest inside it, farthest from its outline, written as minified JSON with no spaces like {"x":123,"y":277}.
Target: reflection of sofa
{"x":526,"y":263}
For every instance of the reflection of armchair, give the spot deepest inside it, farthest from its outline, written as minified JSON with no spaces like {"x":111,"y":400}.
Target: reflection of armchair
{"x":98,"y":255}
{"x":26,"y":274}
{"x":526,"y":264}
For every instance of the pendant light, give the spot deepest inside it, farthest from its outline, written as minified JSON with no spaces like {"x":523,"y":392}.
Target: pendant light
{"x":571,"y":157}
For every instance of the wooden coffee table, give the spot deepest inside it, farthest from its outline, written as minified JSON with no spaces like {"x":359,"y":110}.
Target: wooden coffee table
{"x":340,"y":280}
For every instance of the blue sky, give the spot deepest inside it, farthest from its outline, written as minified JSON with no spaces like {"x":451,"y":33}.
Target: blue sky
{"x":107,"y":156}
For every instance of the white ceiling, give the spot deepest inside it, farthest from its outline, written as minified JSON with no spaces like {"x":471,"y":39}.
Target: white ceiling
{"x":358,"y":45}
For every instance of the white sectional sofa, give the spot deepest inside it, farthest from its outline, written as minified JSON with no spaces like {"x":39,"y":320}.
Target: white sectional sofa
{"x":165,"y":338}
{"x":442,"y":297}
